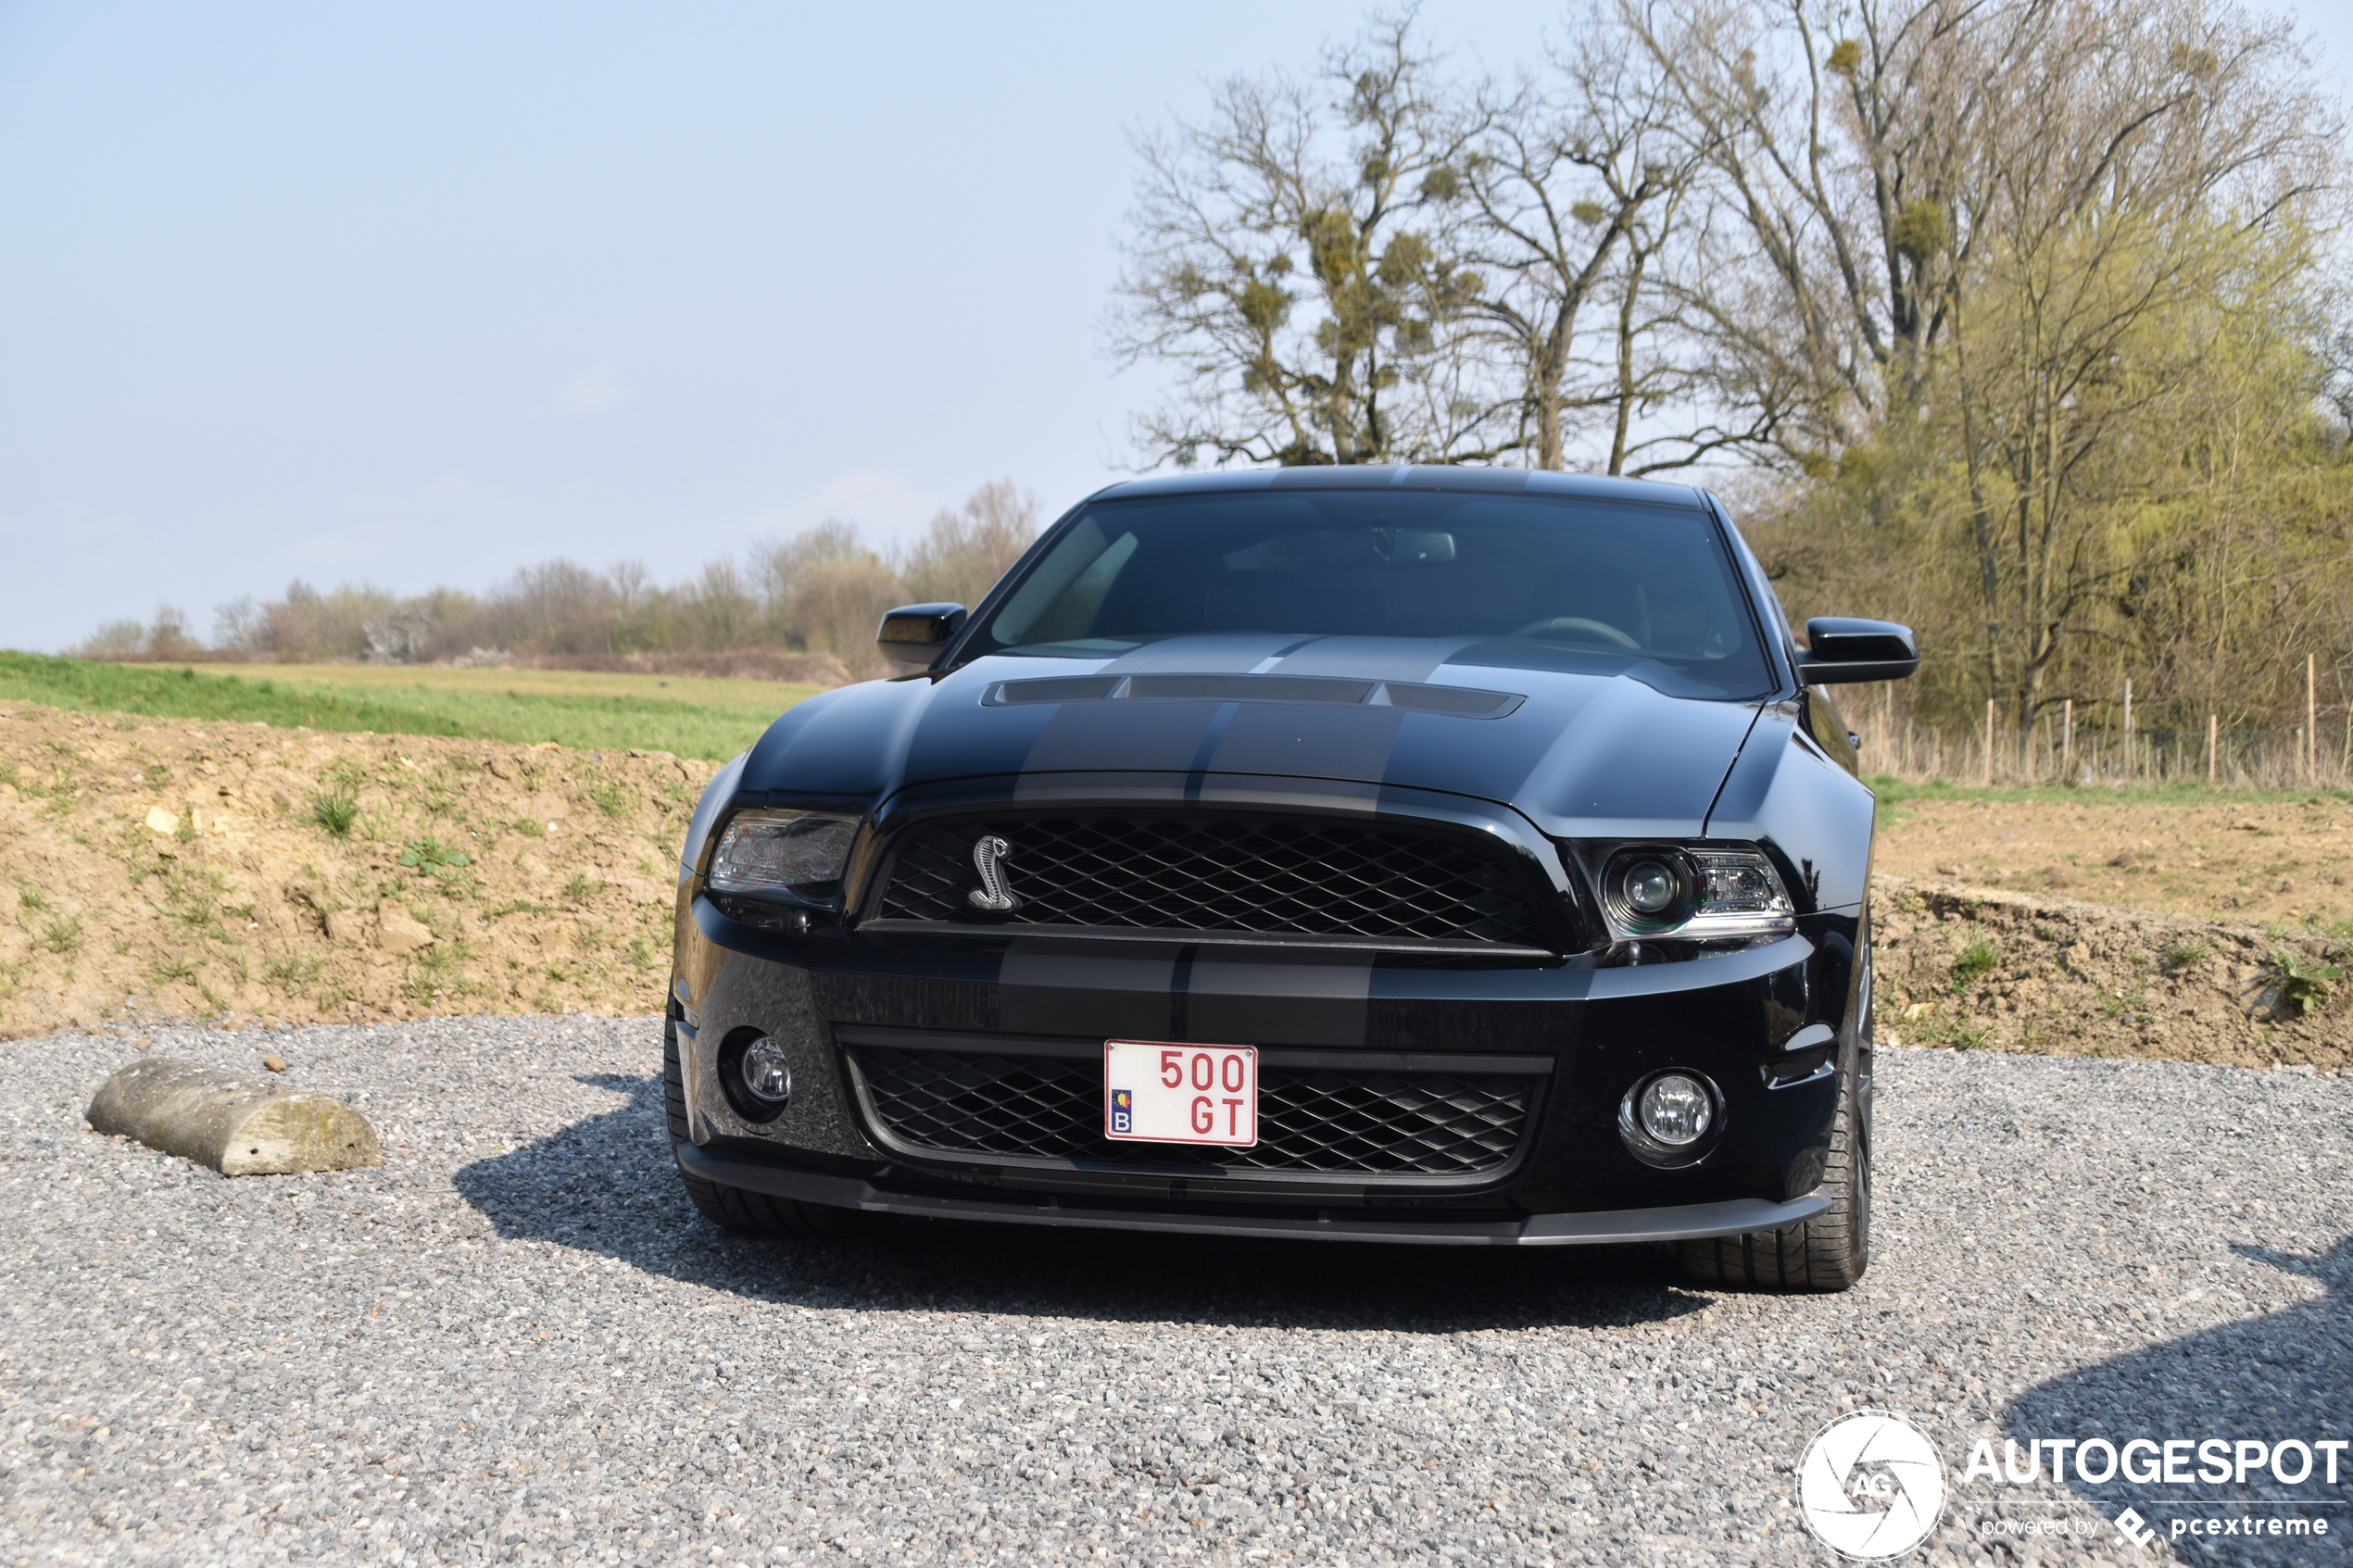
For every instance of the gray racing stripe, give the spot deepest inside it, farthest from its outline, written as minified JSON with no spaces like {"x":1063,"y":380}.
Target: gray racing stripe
{"x":1321,"y":1001}
{"x":1128,"y":736}
{"x":1203,"y":653}
{"x":1308,"y":740}
{"x":1084,"y":737}
{"x":1047,"y":987}
{"x":1211,"y":739}
{"x":1380,"y":658}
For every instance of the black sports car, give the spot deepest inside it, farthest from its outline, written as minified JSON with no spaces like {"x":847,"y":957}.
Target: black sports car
{"x":1435,"y":855}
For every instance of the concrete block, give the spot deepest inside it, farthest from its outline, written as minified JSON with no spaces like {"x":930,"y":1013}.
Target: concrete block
{"x":237,"y":1125}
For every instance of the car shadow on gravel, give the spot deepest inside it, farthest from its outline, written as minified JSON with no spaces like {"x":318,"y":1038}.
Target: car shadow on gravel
{"x":2284,"y":1375}
{"x":606,"y":1185}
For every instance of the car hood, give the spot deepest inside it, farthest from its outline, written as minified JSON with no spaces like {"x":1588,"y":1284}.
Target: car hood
{"x":1593,"y":751}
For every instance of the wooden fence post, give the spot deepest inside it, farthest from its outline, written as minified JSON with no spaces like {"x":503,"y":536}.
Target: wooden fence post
{"x":2311,"y":725}
{"x":2213,"y":726}
{"x":2127,"y":732}
{"x":1989,"y":743}
{"x":2067,"y":742}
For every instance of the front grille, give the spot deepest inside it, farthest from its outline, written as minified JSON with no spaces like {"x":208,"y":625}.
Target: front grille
{"x":1318,"y":1119}
{"x":1212,"y":871}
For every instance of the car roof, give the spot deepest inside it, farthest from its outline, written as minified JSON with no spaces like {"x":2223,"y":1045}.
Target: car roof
{"x":1383,"y":476}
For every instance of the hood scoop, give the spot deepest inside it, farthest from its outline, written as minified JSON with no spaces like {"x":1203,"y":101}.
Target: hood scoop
{"x":1461,"y":702}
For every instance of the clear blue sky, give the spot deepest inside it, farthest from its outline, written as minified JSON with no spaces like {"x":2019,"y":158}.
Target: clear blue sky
{"x":423,"y":292}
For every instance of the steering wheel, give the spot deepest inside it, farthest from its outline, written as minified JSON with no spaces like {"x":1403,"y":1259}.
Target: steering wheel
{"x":1560,"y":625}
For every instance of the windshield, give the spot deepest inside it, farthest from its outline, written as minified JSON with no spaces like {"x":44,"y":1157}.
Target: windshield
{"x":1524,"y":582}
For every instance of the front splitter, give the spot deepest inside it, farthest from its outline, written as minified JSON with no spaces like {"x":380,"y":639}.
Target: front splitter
{"x":1601,"y":1227}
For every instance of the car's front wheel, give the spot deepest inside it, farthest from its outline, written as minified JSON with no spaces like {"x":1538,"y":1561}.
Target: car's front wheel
{"x":1828,"y":1252}
{"x":745,"y":1213}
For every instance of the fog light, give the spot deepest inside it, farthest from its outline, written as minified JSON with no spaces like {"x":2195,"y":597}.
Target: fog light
{"x":766,"y":1075}
{"x":1675,"y":1109}
{"x":1666,"y":1118}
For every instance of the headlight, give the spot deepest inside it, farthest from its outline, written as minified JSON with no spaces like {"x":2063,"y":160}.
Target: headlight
{"x":782,"y":852}
{"x":1694,"y":894}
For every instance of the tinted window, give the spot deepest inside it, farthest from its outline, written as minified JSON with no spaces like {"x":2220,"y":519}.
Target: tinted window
{"x":1534,"y":582}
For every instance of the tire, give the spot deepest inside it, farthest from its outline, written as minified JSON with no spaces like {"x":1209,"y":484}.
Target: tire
{"x":1828,"y":1252}
{"x":732,"y":1209}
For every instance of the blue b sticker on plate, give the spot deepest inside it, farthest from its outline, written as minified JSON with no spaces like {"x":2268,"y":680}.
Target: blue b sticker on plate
{"x":1122,"y":1111}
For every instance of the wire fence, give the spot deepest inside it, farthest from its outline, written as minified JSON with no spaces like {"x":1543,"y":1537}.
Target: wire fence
{"x":2061,"y":749}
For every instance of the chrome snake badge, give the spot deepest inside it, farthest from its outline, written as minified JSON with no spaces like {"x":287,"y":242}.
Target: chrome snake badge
{"x":993,"y":893}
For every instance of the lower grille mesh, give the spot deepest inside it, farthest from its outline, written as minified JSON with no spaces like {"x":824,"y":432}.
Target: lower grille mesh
{"x":1311,"y":1120}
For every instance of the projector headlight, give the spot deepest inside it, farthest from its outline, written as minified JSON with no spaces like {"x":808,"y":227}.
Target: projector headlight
{"x":796,"y":852}
{"x":1693,"y":893}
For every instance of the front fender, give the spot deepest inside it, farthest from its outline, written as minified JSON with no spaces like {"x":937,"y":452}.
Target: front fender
{"x":1785,"y":793}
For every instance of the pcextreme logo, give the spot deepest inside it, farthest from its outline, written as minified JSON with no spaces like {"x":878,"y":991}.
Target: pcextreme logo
{"x":1870,"y":1485}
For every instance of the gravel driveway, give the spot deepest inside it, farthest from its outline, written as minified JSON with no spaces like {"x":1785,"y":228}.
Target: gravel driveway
{"x":516,"y":1342}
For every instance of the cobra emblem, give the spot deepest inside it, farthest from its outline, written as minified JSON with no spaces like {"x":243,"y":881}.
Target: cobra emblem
{"x":993,"y":893}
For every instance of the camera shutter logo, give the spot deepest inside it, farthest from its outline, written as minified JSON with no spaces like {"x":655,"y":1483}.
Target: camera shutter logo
{"x":1870,"y":1485}
{"x":993,"y":893}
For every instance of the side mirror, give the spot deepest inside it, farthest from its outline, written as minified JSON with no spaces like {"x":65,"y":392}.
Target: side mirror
{"x":913,"y":635}
{"x":1842,"y":650}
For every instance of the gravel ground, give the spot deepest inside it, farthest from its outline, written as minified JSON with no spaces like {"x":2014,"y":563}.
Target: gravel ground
{"x":516,"y":1342}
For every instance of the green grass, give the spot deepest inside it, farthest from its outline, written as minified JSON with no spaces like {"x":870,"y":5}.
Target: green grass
{"x":1979,"y":958}
{"x":691,"y":717}
{"x":335,"y":809}
{"x":2182,"y":955}
{"x":1892,"y":791}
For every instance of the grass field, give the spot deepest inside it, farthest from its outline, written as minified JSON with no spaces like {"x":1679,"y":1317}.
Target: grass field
{"x":692,"y":717}
{"x":1892,"y":791}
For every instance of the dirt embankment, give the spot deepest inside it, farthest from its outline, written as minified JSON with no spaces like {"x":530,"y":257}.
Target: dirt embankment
{"x":1984,"y":968}
{"x":163,"y":869}
{"x":167,"y":868}
{"x":2260,"y":860}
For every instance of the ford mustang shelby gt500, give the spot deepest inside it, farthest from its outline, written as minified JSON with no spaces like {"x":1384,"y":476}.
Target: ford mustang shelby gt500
{"x":1433,"y":855}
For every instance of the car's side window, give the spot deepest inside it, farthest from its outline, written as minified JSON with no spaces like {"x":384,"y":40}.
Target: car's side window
{"x":1059,"y":600}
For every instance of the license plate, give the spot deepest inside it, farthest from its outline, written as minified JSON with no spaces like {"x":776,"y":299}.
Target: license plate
{"x":1154,"y":1092}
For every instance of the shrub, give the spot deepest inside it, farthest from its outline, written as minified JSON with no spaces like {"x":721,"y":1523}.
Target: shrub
{"x":2303,"y":982}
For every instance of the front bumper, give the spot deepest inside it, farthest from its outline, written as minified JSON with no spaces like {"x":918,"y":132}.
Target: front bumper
{"x":1596,"y":1031}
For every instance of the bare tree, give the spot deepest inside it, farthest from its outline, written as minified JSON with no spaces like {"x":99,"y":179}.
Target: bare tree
{"x":963,"y":553}
{"x":1573,"y":182}
{"x":1840,"y":136}
{"x":238,"y":626}
{"x":825,"y":591}
{"x":719,"y":608}
{"x":1292,"y":259}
